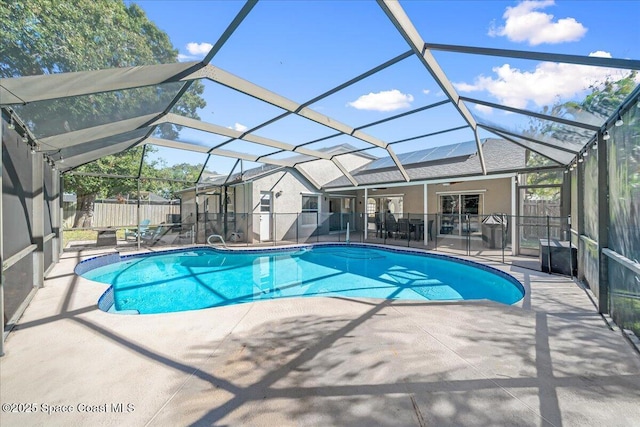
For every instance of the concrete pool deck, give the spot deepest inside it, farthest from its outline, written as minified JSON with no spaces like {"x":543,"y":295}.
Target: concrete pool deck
{"x":550,"y":360}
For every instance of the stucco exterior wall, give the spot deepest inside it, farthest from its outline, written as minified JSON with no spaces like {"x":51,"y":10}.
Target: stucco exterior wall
{"x":286,"y":203}
{"x":497,"y":195}
{"x":242,"y":193}
{"x":243,"y":220}
{"x":287,"y":190}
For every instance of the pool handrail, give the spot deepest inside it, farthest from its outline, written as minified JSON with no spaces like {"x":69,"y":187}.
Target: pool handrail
{"x":219,"y":237}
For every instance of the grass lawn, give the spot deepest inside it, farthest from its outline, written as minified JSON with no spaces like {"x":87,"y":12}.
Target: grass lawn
{"x":78,"y":235}
{"x":75,"y":235}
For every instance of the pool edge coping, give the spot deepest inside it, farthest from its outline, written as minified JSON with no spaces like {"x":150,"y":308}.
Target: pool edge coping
{"x":107,"y":295}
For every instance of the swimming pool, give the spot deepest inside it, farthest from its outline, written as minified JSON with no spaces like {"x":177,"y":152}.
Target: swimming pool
{"x":202,"y":277}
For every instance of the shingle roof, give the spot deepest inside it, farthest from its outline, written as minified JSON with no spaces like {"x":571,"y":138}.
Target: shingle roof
{"x":499,"y":155}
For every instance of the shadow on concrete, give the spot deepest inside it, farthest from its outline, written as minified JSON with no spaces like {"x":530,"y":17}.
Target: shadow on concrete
{"x":290,"y":358}
{"x":279,"y":359}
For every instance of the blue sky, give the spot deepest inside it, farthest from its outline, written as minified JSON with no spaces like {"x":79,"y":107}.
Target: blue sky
{"x":301,"y":49}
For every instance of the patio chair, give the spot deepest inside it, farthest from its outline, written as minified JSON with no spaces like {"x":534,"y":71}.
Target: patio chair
{"x":143,"y":228}
{"x":379,"y":228}
{"x":391,"y":225}
{"x":153,"y":236}
{"x":403,"y":229}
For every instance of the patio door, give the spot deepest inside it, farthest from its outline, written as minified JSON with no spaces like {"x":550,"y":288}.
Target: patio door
{"x":265,"y":215}
{"x":341,"y":213}
{"x":460,"y":214}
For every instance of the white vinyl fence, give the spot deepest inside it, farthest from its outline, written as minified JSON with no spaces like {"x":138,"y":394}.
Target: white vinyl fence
{"x":108,"y":213}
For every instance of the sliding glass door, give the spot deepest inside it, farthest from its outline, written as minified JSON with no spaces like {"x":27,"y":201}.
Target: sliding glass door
{"x":454,"y":209}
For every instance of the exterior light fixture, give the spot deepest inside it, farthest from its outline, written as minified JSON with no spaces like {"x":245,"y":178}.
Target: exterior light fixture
{"x":619,"y":122}
{"x":61,"y":159}
{"x":595,"y":145}
{"x":11,"y":124}
{"x":33,"y":149}
{"x":605,"y":135}
{"x":580,"y":159}
{"x":586,"y":153}
{"x":566,"y":171}
{"x":25,"y":139}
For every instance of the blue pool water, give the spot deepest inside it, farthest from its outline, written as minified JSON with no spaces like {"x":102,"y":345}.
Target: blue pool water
{"x":197,"y":278}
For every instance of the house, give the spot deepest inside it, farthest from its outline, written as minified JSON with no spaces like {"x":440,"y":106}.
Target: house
{"x":278,"y":203}
{"x":273,"y":202}
{"x":446,"y":183}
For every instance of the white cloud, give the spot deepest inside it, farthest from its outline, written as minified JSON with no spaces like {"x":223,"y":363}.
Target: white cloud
{"x":523,"y":23}
{"x":546,"y":84}
{"x":184,"y":58}
{"x":239,"y":127}
{"x":426,"y":91}
{"x":199,"y":49}
{"x":386,"y":100}
{"x":466,"y":87}
{"x":483,"y":109}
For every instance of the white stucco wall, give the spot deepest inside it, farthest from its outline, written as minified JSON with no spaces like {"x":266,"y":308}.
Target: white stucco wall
{"x":286,"y":204}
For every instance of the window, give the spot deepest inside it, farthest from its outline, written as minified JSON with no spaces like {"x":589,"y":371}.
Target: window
{"x":391,"y":203}
{"x":454,"y":209}
{"x":230,"y":200}
{"x":265,"y":202}
{"x":309,"y":215}
{"x":371,"y":207}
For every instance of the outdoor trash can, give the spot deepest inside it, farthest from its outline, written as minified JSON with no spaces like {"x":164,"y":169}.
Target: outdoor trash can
{"x":494,"y":227}
{"x":562,"y":255}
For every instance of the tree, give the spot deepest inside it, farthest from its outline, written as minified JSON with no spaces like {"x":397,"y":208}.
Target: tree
{"x":603,"y":99}
{"x":88,"y":188}
{"x":600,"y":103}
{"x":51,"y":36}
{"x":166,"y":183}
{"x":163,"y":180}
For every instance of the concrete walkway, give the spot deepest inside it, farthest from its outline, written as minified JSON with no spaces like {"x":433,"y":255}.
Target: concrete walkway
{"x":320,"y":362}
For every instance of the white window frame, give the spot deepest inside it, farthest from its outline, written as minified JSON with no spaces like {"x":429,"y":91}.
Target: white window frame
{"x":460,"y":193}
{"x":308,"y":211}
